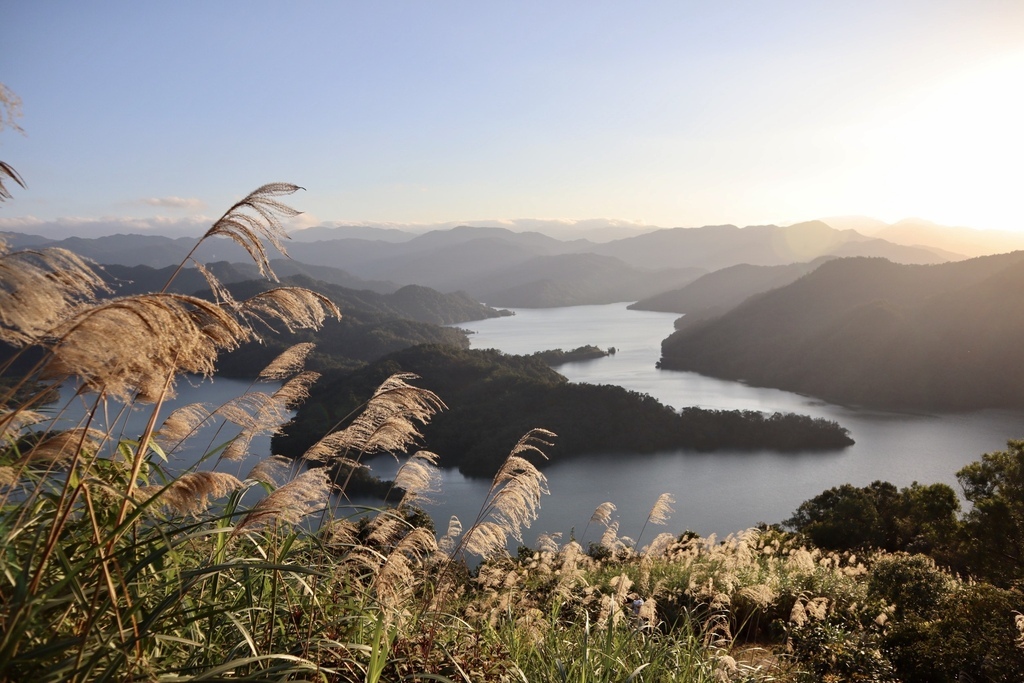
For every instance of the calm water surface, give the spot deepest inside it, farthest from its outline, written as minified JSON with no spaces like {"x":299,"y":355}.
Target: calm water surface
{"x":718,"y":492}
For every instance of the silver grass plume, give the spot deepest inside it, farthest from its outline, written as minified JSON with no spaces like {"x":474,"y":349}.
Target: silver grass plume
{"x":270,"y":470}
{"x":303,"y":495}
{"x":548,"y":543}
{"x":388,"y":423}
{"x":181,"y":424}
{"x":513,"y":500}
{"x":486,"y":539}
{"x":295,"y":391}
{"x":135,"y":344}
{"x":13,"y":422}
{"x":603,"y":513}
{"x":58,"y":449}
{"x":219,"y":291}
{"x":294,"y":307}
{"x":418,"y":477}
{"x":257,"y":216}
{"x":610,"y":537}
{"x":446,"y":544}
{"x":289,"y":362}
{"x":659,"y":514}
{"x":191,"y":492}
{"x":8,"y":475}
{"x":397,"y":578}
{"x":662,"y":509}
{"x":660,"y":545}
{"x":256,"y":413}
{"x":40,"y":289}
{"x":387,"y":528}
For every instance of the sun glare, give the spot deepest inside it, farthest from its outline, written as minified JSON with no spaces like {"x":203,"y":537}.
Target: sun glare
{"x":954,"y":152}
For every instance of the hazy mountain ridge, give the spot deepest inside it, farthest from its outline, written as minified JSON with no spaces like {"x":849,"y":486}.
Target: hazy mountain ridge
{"x":125,"y":280}
{"x":575,"y":279}
{"x":528,"y":269}
{"x":716,"y":247}
{"x":870,"y":332}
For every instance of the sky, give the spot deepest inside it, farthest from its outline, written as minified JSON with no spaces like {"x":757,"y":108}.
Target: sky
{"x":677,"y":114}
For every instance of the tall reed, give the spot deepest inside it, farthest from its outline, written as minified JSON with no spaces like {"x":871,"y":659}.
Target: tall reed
{"x":116,"y":565}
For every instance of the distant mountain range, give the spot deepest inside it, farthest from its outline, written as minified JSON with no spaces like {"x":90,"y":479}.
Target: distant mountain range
{"x":967,"y":242}
{"x":519,"y":269}
{"x":870,"y":332}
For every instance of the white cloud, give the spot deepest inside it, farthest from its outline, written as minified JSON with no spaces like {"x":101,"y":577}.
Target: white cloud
{"x":174,"y":202}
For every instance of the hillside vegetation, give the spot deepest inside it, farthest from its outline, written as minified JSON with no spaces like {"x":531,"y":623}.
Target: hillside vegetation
{"x":717,"y":292}
{"x":871,"y":332}
{"x":492,"y":397}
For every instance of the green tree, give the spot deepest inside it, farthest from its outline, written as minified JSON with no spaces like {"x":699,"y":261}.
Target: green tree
{"x":917,"y":518}
{"x":994,"y":527}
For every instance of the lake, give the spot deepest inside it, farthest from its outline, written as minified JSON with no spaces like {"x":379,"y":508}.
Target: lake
{"x":719,"y":492}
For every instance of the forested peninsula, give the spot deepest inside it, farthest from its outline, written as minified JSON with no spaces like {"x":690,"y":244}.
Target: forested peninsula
{"x":866,"y":331}
{"x":493,"y":397}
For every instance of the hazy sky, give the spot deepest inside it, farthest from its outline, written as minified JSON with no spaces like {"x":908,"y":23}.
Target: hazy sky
{"x":670,"y":113}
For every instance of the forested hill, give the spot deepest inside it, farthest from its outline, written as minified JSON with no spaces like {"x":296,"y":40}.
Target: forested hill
{"x":372,"y":325}
{"x":869,"y":332}
{"x":494,"y":398}
{"x":726,"y":288}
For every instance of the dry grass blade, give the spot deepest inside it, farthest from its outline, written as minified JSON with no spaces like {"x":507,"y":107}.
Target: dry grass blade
{"x":255,"y":218}
{"x":39,"y":290}
{"x":8,"y":170}
{"x":133,"y":344}
{"x":190,"y":493}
